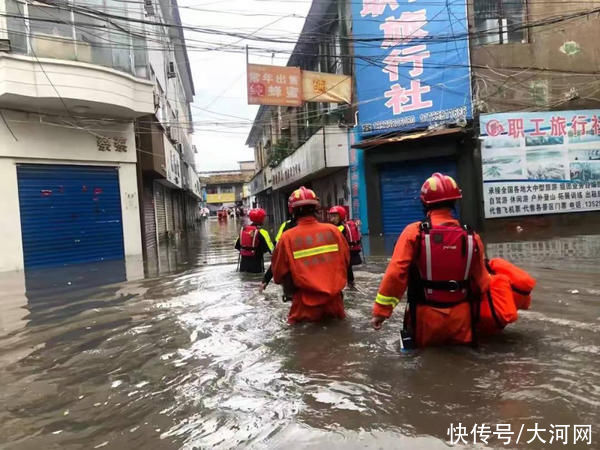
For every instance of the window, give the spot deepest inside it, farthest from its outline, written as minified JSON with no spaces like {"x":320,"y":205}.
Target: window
{"x":500,"y":21}
{"x":226,"y":189}
{"x":62,"y":32}
{"x":16,"y":26}
{"x":212,"y":190}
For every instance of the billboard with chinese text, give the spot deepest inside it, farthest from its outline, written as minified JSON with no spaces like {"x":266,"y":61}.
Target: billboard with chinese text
{"x":274,"y":85}
{"x":326,"y":87}
{"x":411,"y":64}
{"x":540,"y":163}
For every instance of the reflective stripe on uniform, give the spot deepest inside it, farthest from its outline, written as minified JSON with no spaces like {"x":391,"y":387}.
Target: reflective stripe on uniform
{"x":265,"y":235}
{"x":386,"y":301}
{"x":341,"y":228}
{"x":316,"y":251}
{"x":469,"y":256}
{"x":280,"y":231}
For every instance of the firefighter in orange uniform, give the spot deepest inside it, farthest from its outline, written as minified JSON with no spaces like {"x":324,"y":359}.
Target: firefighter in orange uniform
{"x":442,"y":264}
{"x":253,"y":243}
{"x":310,"y":261}
{"x":349,"y":228}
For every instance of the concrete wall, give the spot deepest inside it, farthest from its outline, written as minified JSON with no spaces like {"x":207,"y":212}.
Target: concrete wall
{"x":514,"y":76}
{"x":24,"y":85}
{"x":44,"y":143}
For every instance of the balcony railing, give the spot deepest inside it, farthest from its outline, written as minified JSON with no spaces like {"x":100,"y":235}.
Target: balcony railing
{"x":77,"y":31}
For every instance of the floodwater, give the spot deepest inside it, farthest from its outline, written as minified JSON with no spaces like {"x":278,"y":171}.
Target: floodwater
{"x":189,"y":355}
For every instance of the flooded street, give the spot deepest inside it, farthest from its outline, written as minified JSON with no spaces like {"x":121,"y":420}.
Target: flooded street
{"x":191,"y":356}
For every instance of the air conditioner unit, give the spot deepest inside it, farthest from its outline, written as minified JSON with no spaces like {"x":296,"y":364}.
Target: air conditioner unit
{"x":149,"y":7}
{"x":5,"y":45}
{"x":156,"y":101}
{"x":171,"y":70}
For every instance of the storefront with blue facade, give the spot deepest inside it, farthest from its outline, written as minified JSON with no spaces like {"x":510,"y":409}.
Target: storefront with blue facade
{"x":413,"y":89}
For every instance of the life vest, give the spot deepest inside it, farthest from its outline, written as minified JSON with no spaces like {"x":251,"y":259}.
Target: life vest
{"x":521,"y":282}
{"x":497,"y":307}
{"x":353,"y":236}
{"x":249,"y":240}
{"x":444,"y":264}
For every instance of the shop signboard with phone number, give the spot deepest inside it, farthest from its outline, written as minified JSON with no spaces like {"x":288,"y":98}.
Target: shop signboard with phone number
{"x":540,"y":163}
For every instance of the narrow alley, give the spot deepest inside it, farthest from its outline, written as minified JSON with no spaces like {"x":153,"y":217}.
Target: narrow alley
{"x":192,"y":356}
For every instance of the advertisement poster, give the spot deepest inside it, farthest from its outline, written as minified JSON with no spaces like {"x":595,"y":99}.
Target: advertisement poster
{"x":411,"y":64}
{"x":540,"y":163}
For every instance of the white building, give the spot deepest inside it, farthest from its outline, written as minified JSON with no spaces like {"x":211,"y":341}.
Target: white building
{"x":72,"y":84}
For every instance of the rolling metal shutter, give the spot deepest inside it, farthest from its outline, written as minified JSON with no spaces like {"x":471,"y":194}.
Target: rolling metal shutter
{"x":149,"y":217}
{"x":161,"y":214}
{"x":69,"y":214}
{"x":169,"y":209}
{"x":176,"y":211}
{"x":401,"y":190}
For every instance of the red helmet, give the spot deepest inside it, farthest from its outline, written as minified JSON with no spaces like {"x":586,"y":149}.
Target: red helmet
{"x":439,"y":188}
{"x":340,"y":210}
{"x":257,"y":215}
{"x":290,"y":201}
{"x":302,"y":197}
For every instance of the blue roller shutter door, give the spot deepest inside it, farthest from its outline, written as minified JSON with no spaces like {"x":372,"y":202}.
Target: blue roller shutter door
{"x":401,"y":190}
{"x":69,"y":214}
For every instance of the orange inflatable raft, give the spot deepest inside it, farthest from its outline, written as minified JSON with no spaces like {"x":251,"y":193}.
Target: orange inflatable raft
{"x":497,"y":308}
{"x":521,"y":282}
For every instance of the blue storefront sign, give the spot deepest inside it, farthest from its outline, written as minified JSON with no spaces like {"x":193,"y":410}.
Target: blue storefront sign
{"x":411,"y":64}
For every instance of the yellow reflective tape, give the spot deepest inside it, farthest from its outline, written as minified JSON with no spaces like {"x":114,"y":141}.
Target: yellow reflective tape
{"x":452,"y":181}
{"x":280,"y":231}
{"x":316,"y":251}
{"x":265,"y":235}
{"x":386,"y":301}
{"x":341,"y":228}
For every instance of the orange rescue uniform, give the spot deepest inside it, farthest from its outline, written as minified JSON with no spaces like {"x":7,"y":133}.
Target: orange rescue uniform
{"x":311,"y":260}
{"x":434,"y":326}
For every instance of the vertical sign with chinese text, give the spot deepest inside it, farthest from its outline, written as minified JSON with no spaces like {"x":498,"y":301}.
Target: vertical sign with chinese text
{"x":274,"y":85}
{"x":540,"y":163}
{"x":411,"y":64}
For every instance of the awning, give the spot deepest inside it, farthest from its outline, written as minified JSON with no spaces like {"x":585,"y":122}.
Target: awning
{"x":376,"y":141}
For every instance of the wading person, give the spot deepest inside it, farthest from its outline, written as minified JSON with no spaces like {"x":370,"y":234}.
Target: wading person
{"x":287,"y":225}
{"x":337,"y":216}
{"x":253,"y":243}
{"x":442,"y":264}
{"x":311,"y":261}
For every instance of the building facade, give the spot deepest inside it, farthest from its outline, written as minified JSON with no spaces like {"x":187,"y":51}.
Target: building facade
{"x":535,"y":80}
{"x":168,"y":181}
{"x":307,"y":145}
{"x":499,"y":95}
{"x":72,"y":108}
{"x":226,"y":189}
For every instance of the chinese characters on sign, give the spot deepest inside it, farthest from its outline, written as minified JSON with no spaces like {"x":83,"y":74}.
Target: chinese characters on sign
{"x":423,"y":77}
{"x":274,"y":85}
{"x":540,"y":163}
{"x":285,"y":174}
{"x":105,"y":144}
{"x":523,"y":434}
{"x":326,"y":87}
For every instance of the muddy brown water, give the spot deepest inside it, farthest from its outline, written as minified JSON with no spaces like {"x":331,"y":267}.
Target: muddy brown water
{"x":191,"y":356}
